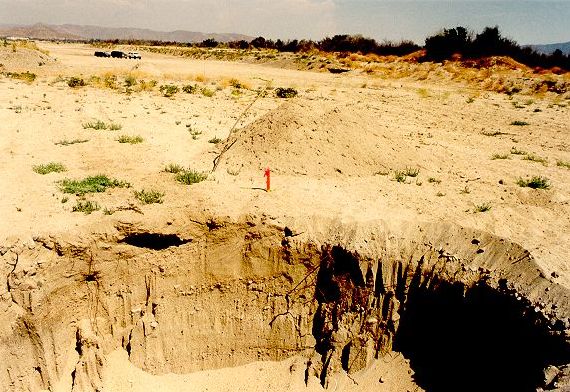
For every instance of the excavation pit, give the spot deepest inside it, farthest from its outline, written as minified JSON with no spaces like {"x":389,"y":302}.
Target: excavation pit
{"x":244,"y":292}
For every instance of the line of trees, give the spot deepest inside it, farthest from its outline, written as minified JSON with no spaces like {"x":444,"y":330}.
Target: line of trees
{"x":441,"y":46}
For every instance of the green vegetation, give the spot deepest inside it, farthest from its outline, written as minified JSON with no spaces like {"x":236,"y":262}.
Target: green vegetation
{"x":465,"y":190}
{"x":190,"y":176}
{"x":519,"y":123}
{"x":130,"y":139}
{"x":100,"y":125}
{"x":86,"y":207}
{"x":52,"y":167}
{"x":483,"y":207}
{"x":516,"y":151}
{"x":535,"y":182}
{"x":563,"y":164}
{"x":433,"y":180}
{"x":70,"y":142}
{"x":215,"y":140}
{"x":27,"y":77}
{"x":173,"y":168}
{"x":282,"y":92}
{"x":93,"y":184}
{"x":190,"y":89}
{"x":149,"y":197}
{"x":500,"y":156}
{"x":411,"y":171}
{"x":75,"y":82}
{"x":535,"y":158}
{"x":492,"y":133}
{"x":168,"y":90}
{"x":400,"y":176}
{"x":207,"y":92}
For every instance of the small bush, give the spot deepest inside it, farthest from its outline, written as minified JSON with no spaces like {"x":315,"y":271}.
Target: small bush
{"x":483,"y":207}
{"x":70,"y":142}
{"x":190,"y":89}
{"x":236,"y":83}
{"x":190,"y":177}
{"x":27,"y":77}
{"x":86,"y":207}
{"x":130,"y":81}
{"x":563,"y":164}
{"x":93,"y":184}
{"x":75,"y":82}
{"x":535,"y":182}
{"x":207,"y":92}
{"x":173,"y":168}
{"x":168,"y":90}
{"x":289,"y":92}
{"x":433,"y":180}
{"x":149,"y":197}
{"x":492,"y":133}
{"x":465,"y":190}
{"x":114,"y":127}
{"x":52,"y":167}
{"x":215,"y":140}
{"x":400,"y":176}
{"x":130,"y":139}
{"x":519,"y":123}
{"x":98,"y":125}
{"x":500,"y":156}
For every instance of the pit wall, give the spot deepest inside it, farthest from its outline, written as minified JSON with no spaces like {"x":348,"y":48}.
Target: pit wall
{"x":233,"y":292}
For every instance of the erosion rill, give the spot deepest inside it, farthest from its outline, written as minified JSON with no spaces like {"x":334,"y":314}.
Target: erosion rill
{"x":469,"y":310}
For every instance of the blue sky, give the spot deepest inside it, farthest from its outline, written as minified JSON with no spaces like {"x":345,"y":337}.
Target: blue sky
{"x":538,"y":21}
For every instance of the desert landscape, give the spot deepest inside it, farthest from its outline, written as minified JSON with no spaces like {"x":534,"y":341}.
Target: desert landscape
{"x":416,"y":235}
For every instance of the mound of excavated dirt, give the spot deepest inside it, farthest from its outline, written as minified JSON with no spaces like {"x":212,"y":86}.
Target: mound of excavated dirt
{"x":20,"y":59}
{"x":315,"y":138}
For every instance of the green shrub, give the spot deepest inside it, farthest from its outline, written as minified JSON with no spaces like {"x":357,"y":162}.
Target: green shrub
{"x":215,"y":140}
{"x":86,"y":207}
{"x":190,"y":89}
{"x":433,"y":180}
{"x":411,"y":171}
{"x":52,"y":167}
{"x":130,"y":139}
{"x":500,"y":156}
{"x":516,"y":151}
{"x":483,"y":207}
{"x":93,"y":184}
{"x":149,"y":197}
{"x":400,"y":176}
{"x":168,"y":90}
{"x":282,"y":92}
{"x":190,"y":177}
{"x":563,"y":164}
{"x":114,"y":127}
{"x":535,"y":182}
{"x":70,"y":142}
{"x":535,"y":158}
{"x":98,"y":125}
{"x":519,"y":123}
{"x":207,"y":92}
{"x":27,"y":77}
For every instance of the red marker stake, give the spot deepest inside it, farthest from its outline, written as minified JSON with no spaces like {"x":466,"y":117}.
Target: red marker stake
{"x":268,"y":181}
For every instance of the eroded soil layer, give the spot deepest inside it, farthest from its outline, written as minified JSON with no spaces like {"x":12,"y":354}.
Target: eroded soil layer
{"x":459,"y":304}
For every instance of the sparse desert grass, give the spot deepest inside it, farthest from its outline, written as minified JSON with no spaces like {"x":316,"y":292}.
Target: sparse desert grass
{"x":563,"y":164}
{"x":100,"y":125}
{"x":173,"y":168}
{"x":194,"y":133}
{"x":470,"y":100}
{"x":149,"y":197}
{"x":288,"y":92}
{"x":516,"y":151}
{"x":500,"y":156}
{"x":168,"y":90}
{"x":411,"y":171}
{"x":492,"y":133}
{"x":75,"y":81}
{"x":190,"y":176}
{"x":400,"y":176}
{"x":233,"y":172}
{"x":423,"y":93}
{"x":535,"y":182}
{"x":66,"y":142}
{"x":27,"y":77}
{"x":235,"y":83}
{"x":483,"y":207}
{"x":130,"y":139}
{"x":52,"y":167}
{"x":143,"y":85}
{"x":535,"y":158}
{"x":92,"y":184}
{"x":465,"y":190}
{"x":87,"y":207}
{"x":440,"y":194}
{"x":519,"y":123}
{"x":215,"y":140}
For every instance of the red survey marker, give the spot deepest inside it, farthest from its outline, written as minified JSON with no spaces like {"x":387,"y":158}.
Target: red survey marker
{"x":268,"y":181}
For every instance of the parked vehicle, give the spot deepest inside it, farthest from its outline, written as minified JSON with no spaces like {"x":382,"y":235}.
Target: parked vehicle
{"x":134,"y":55}
{"x":118,"y":54}
{"x":102,"y":54}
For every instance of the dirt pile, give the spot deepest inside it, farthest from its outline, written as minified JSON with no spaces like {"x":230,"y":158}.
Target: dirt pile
{"x":228,"y":293}
{"x":315,"y":138}
{"x":14,"y":58}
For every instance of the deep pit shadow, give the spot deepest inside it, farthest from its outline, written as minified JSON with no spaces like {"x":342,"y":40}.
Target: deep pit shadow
{"x":483,"y":341}
{"x":155,"y":241}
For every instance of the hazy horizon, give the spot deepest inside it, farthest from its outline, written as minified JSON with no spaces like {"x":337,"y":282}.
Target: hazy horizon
{"x":527,"y":22}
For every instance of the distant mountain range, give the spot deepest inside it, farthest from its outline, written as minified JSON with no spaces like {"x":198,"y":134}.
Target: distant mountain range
{"x":80,"y":32}
{"x":550,"y":48}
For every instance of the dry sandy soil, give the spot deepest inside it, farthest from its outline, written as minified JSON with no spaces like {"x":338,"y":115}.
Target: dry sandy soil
{"x":334,"y":150}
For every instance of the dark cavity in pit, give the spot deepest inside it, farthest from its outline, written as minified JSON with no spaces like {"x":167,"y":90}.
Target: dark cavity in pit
{"x":484,"y":340}
{"x":155,"y":241}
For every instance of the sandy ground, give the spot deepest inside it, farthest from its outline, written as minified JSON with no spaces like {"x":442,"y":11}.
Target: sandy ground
{"x":334,"y":151}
